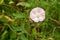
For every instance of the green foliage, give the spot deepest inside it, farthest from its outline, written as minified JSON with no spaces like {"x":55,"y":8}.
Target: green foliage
{"x":15,"y":22}
{"x":23,"y":4}
{"x":1,"y":1}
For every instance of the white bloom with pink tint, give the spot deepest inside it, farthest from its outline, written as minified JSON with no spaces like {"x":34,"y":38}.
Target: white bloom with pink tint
{"x":37,"y":14}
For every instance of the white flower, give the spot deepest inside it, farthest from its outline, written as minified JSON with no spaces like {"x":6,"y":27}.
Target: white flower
{"x":37,"y":14}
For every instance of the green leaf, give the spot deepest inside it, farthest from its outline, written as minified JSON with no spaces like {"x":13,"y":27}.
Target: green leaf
{"x":19,"y":28}
{"x":57,"y":33}
{"x":11,"y":2}
{"x":4,"y":35}
{"x":23,"y":4}
{"x":18,"y":15}
{"x":23,"y":37}
{"x":12,"y":35}
{"x":31,"y":38}
{"x":1,"y":1}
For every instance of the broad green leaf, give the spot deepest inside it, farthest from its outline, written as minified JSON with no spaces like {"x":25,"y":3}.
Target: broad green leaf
{"x":23,"y":4}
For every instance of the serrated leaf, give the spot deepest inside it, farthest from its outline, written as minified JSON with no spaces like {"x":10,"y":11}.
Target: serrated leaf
{"x":23,"y":4}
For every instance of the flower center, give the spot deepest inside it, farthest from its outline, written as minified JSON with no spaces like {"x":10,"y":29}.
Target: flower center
{"x":37,"y":15}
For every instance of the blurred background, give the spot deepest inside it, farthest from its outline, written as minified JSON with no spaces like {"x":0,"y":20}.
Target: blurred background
{"x":15,"y":22}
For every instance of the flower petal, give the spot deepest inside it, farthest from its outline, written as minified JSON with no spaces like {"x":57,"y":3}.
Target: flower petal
{"x":37,"y":14}
{"x":35,"y":20}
